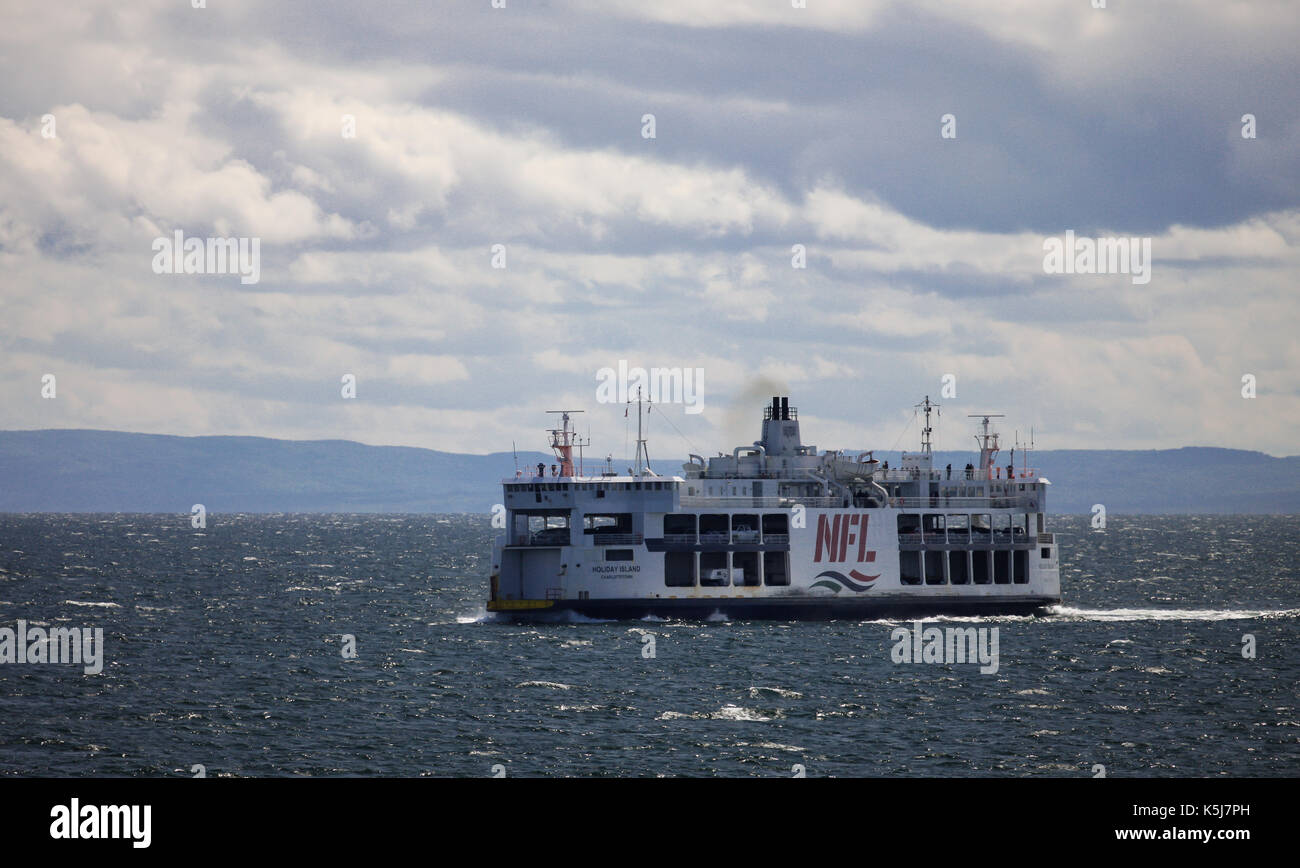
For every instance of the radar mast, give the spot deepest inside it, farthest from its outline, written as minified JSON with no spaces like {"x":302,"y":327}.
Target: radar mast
{"x":563,"y":439}
{"x":987,"y":440}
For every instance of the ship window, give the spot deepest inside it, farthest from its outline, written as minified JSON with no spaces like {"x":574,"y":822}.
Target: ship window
{"x":618,"y":554}
{"x":776,"y":524}
{"x":713,"y":569}
{"x":714,"y":528}
{"x":776,"y":569}
{"x":909,"y":523}
{"x":980,"y":567}
{"x":744,"y":568}
{"x":617,"y":522}
{"x":959,"y":526}
{"x":957,"y":568}
{"x":1047,"y":553}
{"x":909,"y":568}
{"x":680,"y":524}
{"x":934,"y":568}
{"x":1001,"y":567}
{"x":1040,"y":523}
{"x":1021,"y":560}
{"x":744,"y":528}
{"x":679,"y":569}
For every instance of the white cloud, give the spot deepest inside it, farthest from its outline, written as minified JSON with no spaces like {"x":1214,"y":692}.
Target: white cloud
{"x":378,"y":260}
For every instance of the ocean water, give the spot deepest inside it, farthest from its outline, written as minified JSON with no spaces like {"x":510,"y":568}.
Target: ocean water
{"x":223,"y":650}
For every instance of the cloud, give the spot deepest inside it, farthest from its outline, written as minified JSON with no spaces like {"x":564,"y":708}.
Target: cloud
{"x":776,"y":126}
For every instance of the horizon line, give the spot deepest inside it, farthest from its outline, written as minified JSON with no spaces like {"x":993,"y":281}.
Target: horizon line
{"x":541,"y":452}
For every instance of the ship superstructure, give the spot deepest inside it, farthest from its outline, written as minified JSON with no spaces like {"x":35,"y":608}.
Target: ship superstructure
{"x":777,"y":529}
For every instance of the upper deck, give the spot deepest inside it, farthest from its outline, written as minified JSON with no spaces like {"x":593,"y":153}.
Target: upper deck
{"x":779,"y":471}
{"x":673,"y":493}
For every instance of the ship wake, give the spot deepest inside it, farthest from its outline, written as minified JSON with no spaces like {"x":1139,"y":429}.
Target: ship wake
{"x":1075,"y":614}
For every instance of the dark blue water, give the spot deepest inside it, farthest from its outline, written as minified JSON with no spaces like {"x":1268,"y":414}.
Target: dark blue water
{"x":223,"y":649}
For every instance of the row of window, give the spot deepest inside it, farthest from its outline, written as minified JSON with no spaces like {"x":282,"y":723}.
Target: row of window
{"x":723,"y":569}
{"x":782,"y":489}
{"x":963,"y":525}
{"x":590,"y":486}
{"x":720,"y":527}
{"x":965,"y":567}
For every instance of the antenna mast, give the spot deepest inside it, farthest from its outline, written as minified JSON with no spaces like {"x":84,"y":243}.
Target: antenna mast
{"x":641,"y":452}
{"x":987,"y":440}
{"x":563,"y":439}
{"x":927,"y":430}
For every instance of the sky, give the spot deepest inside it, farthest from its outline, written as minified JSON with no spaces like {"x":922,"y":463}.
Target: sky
{"x":463,"y":208}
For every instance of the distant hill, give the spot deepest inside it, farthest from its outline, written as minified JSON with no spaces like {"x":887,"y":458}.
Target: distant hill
{"x":107,"y":471}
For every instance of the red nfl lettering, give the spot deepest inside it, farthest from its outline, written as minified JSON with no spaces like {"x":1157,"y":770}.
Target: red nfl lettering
{"x":828,"y":537}
{"x":835,"y":535}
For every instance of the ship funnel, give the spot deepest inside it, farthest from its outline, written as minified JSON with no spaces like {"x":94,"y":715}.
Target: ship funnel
{"x":781,"y":429}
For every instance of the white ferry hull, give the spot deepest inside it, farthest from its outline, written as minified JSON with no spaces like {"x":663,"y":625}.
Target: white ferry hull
{"x":827,"y":568}
{"x":791,"y":608}
{"x":781,"y":531}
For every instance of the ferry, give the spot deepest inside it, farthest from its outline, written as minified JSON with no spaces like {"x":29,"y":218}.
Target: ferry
{"x":776,"y":530}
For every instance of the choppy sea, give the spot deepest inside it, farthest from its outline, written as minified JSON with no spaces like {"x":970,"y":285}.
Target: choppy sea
{"x":1176,"y":653}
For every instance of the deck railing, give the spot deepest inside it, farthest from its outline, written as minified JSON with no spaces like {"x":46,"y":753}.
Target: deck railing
{"x":1017,"y":501}
{"x":959,"y":474}
{"x":695,"y":502}
{"x":616,"y":539}
{"x":961,"y":537}
{"x":541,"y":538}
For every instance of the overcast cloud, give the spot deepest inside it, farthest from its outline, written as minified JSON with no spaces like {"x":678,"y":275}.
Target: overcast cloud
{"x":775,"y":126}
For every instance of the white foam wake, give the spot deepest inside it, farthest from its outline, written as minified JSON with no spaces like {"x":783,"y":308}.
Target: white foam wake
{"x":1170,"y":614}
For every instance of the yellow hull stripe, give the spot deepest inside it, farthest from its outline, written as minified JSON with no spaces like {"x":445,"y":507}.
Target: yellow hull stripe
{"x":508,"y":605}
